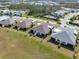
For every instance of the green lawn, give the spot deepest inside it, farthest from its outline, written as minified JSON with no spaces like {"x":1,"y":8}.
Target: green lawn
{"x":77,"y":48}
{"x":18,"y":45}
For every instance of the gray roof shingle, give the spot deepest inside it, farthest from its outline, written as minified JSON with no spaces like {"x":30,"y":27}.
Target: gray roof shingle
{"x":66,"y":35}
{"x":43,"y":28}
{"x":25,"y":24}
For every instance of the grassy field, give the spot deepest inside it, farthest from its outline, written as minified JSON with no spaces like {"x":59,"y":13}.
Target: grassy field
{"x":77,"y":48}
{"x":18,"y":45}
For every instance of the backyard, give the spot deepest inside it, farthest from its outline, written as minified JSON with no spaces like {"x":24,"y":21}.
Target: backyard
{"x":19,"y":45}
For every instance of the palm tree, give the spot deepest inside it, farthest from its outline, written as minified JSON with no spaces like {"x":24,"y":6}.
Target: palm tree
{"x":10,"y":15}
{"x":50,"y":32}
{"x":75,"y":55}
{"x":77,"y":38}
{"x":59,"y":45}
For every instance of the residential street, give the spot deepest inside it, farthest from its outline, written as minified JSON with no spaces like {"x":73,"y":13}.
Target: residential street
{"x":66,"y":19}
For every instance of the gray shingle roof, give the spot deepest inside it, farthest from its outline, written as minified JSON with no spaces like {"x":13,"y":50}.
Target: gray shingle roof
{"x":43,"y":28}
{"x":66,"y":35}
{"x":25,"y":24}
{"x":4,"y":18}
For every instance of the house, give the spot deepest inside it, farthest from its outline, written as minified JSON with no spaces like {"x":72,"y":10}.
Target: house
{"x":16,"y":13}
{"x":76,"y":22}
{"x":4,"y":17}
{"x":3,"y":6}
{"x":18,"y":19}
{"x":43,"y":29}
{"x":6,"y":21}
{"x":37,"y":22}
{"x":13,"y":11}
{"x":6,"y":11}
{"x":31,"y":2}
{"x":1,"y":11}
{"x":59,"y":13}
{"x":50,"y":17}
{"x":24,"y":24}
{"x":41,"y":3}
{"x":64,"y":36}
{"x":71,"y":10}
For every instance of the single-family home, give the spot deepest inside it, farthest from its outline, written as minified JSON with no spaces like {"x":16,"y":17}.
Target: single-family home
{"x":41,"y":3}
{"x":1,"y":11}
{"x":65,"y":36}
{"x":37,"y":22}
{"x":43,"y":29}
{"x":76,"y":22}
{"x":24,"y":24}
{"x":31,"y":2}
{"x":6,"y":21}
{"x":15,"y":12}
{"x":17,"y":18}
{"x":59,"y":13}
{"x":2,"y":5}
{"x":50,"y":17}
{"x":6,"y":11}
